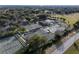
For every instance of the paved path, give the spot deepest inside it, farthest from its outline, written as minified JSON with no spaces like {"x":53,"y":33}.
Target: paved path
{"x":66,"y":44}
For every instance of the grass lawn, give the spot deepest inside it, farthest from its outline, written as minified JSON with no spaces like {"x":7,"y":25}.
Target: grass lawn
{"x":72,"y":49}
{"x":70,"y":18}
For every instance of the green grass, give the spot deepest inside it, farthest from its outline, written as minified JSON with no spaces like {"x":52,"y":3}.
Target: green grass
{"x":72,"y":49}
{"x":70,"y":19}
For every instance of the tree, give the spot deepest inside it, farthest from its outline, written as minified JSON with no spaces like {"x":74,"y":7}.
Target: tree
{"x":21,"y":29}
{"x":57,"y":39}
{"x":43,"y":17}
{"x":35,"y":43}
{"x":28,"y":18}
{"x":76,"y":25}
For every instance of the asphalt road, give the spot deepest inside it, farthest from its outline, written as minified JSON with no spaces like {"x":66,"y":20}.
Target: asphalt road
{"x":9,"y":45}
{"x":61,"y":49}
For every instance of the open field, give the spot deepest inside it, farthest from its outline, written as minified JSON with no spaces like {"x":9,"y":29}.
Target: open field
{"x":70,"y":18}
{"x":72,"y":49}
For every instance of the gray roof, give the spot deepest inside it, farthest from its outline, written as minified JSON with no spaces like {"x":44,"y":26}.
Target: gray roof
{"x":32,"y":26}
